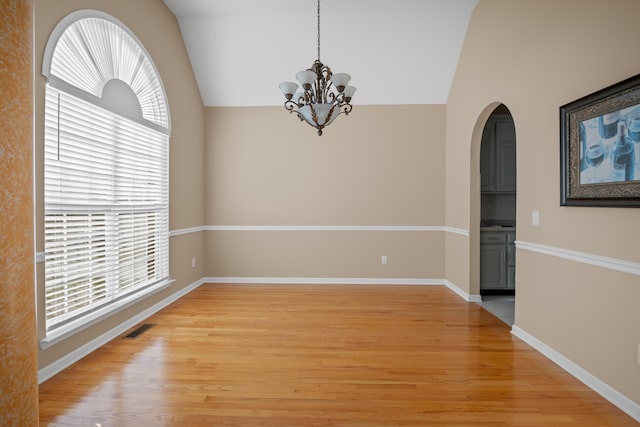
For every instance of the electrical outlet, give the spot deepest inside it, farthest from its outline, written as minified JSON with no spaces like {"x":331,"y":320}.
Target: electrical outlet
{"x":535,"y":218}
{"x":383,"y":259}
{"x":193,"y":263}
{"x":638,"y":355}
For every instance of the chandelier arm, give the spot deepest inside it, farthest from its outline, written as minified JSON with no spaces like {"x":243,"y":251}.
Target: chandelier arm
{"x":310,"y":94}
{"x":291,"y":106}
{"x":323,"y":80}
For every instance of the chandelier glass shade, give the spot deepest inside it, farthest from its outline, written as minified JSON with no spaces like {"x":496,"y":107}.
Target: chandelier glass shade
{"x":323,"y":95}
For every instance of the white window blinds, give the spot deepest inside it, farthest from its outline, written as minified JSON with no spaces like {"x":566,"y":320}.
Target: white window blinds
{"x":106,"y":219}
{"x":106,"y":174}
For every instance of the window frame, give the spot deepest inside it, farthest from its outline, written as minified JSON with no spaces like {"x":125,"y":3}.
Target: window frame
{"x":160,"y":124}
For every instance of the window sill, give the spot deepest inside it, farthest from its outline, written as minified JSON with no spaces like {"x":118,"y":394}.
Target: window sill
{"x":60,"y":334}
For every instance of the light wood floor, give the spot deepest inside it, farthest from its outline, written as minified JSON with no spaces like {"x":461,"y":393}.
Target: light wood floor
{"x":262,"y":355}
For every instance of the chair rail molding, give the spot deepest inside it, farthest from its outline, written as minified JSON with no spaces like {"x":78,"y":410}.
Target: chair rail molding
{"x":585,"y":258}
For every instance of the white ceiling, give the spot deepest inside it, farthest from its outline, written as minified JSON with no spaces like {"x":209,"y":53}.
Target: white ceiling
{"x":397,"y":51}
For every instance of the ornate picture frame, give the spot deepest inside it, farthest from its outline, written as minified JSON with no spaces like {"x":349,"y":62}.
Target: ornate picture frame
{"x":600,"y":147}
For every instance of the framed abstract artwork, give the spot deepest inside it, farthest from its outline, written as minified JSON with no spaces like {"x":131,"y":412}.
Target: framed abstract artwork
{"x":600,"y":147}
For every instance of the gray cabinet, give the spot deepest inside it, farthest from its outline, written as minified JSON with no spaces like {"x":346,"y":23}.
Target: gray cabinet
{"x":488,"y":159}
{"x":498,"y":156}
{"x":511,"y":260}
{"x":497,"y":260}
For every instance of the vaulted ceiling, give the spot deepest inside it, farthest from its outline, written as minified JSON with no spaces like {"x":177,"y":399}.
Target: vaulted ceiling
{"x":397,"y":51}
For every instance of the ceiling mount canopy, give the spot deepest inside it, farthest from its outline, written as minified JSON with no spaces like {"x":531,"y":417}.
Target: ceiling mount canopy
{"x":324,"y":95}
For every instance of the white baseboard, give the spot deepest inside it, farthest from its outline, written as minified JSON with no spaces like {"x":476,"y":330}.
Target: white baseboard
{"x":326,"y":228}
{"x":464,"y":295}
{"x":447,"y":229}
{"x":50,"y":370}
{"x":612,"y":395}
{"x":323,"y":281}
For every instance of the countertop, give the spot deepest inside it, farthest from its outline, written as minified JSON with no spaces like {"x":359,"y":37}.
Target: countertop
{"x":497,"y":228}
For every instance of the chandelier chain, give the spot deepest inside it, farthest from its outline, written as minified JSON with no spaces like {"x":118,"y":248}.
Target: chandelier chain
{"x":318,"y":30}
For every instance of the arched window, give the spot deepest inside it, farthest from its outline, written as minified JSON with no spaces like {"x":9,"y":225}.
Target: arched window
{"x":106,"y":171}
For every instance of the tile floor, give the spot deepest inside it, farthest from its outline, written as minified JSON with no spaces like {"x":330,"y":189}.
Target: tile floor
{"x":501,"y":306}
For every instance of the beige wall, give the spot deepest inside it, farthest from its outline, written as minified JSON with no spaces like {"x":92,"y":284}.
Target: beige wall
{"x":379,"y":166}
{"x":158,"y":30}
{"x":326,"y":254}
{"x":535,"y":56}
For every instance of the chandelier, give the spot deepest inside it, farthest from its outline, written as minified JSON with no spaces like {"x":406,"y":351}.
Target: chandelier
{"x":324,"y":95}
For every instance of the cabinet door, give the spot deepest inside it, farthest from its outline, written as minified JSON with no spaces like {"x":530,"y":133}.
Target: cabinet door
{"x":511,"y":277}
{"x":487,"y":159}
{"x":493,"y":268}
{"x":505,"y":157}
{"x":511,"y":249}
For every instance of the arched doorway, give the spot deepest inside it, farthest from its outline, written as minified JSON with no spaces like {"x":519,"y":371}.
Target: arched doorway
{"x":497,"y":214}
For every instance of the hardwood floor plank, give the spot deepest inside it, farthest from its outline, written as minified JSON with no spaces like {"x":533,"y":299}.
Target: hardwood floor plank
{"x":312,"y":355}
